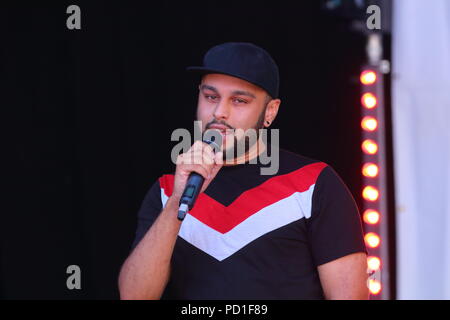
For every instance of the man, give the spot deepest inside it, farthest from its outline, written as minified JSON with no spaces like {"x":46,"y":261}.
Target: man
{"x":295,"y":234}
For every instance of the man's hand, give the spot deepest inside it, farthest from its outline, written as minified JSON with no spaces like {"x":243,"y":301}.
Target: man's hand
{"x":201,"y":159}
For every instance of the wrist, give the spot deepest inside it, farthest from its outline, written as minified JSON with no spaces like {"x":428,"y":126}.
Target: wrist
{"x":173,"y":202}
{"x":171,"y":209}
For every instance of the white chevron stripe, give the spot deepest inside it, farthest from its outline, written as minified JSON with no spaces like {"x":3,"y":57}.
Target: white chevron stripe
{"x":221,"y":246}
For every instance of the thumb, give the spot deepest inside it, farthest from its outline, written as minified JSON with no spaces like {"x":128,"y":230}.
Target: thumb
{"x":218,"y":164}
{"x":218,"y":159}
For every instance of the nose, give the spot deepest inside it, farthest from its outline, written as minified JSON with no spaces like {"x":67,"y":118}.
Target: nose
{"x":222,"y":110}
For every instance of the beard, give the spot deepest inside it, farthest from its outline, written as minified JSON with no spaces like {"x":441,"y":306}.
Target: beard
{"x":239,"y":145}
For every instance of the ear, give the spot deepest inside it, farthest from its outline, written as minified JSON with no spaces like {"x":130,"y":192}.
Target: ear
{"x":271,"y":111}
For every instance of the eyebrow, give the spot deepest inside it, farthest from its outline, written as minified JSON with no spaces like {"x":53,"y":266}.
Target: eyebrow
{"x":205,"y":86}
{"x":235,"y":92}
{"x":243,"y":93}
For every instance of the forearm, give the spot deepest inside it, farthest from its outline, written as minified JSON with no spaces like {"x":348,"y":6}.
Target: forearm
{"x":146,"y":271}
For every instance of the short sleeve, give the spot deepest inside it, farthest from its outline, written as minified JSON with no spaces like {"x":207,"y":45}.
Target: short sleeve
{"x":148,"y":212}
{"x":335,"y":228}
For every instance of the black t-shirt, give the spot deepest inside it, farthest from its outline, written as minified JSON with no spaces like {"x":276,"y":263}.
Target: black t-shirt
{"x":253,"y":236}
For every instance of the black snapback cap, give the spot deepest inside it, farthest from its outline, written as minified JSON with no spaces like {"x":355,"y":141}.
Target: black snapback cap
{"x":245,"y":61}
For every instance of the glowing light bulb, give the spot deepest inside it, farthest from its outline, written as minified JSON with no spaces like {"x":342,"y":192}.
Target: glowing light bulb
{"x":369,"y":100}
{"x":371,"y":216}
{"x":374,"y":286}
{"x":369,"y":146}
{"x":370,"y":170}
{"x":373,"y":263}
{"x":368,"y":77}
{"x":372,"y":239}
{"x":369,"y":123}
{"x":370,"y":193}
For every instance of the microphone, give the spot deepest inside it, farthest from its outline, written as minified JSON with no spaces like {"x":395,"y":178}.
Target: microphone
{"x":195,"y":181}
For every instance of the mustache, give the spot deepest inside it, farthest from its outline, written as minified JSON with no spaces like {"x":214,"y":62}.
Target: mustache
{"x":214,"y":121}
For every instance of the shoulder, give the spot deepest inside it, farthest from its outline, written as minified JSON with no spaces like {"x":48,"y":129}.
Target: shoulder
{"x":290,"y":162}
{"x":160,"y":190}
{"x":290,"y":158}
{"x":317,"y":172}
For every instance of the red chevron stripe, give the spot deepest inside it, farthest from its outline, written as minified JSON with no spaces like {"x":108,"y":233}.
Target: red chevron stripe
{"x":224,"y":218}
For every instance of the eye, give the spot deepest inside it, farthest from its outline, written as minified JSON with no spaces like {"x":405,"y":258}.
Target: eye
{"x":211,"y":97}
{"x":239,"y":100}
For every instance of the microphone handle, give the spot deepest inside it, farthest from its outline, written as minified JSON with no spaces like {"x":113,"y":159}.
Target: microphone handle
{"x":193,"y":186}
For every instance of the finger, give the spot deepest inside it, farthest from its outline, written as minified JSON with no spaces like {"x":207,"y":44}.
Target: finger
{"x":208,"y":150}
{"x":198,"y":145}
{"x":208,"y":159}
{"x":180,"y":159}
{"x":217,"y":165}
{"x":218,"y":159}
{"x":204,"y":147}
{"x":188,"y":157}
{"x":204,"y":161}
{"x":197,"y":168}
{"x":208,"y":147}
{"x":198,"y":157}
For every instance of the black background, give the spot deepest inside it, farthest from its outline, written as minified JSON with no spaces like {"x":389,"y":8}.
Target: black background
{"x":88,"y":116}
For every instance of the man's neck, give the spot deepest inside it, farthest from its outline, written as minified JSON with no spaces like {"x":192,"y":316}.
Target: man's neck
{"x":254,"y":151}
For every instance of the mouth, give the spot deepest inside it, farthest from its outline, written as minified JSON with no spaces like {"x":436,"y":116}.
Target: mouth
{"x":222,"y":129}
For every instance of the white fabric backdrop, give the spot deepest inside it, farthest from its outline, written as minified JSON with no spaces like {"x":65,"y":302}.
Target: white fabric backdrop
{"x":421,"y":123}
